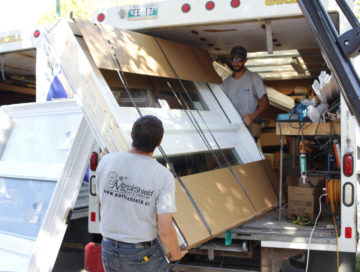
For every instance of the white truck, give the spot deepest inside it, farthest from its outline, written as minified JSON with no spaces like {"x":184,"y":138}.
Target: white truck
{"x":45,"y":146}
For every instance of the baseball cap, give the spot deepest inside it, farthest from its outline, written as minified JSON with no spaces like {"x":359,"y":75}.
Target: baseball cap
{"x":238,"y":52}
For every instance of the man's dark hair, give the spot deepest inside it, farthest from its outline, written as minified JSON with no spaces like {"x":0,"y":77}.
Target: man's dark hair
{"x":238,"y":51}
{"x":147,"y":133}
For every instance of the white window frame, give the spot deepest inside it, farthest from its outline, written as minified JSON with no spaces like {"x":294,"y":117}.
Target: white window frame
{"x":40,"y":255}
{"x":112,"y":124}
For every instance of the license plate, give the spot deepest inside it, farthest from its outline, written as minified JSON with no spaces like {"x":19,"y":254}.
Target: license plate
{"x":143,"y":12}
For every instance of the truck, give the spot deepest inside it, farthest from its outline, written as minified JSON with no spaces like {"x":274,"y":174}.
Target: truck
{"x":110,"y":76}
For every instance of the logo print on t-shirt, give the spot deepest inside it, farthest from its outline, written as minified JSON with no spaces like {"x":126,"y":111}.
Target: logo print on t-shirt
{"x":118,"y":186}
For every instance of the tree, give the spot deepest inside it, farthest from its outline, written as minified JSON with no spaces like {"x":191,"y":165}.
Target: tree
{"x":78,"y":8}
{"x":356,"y":8}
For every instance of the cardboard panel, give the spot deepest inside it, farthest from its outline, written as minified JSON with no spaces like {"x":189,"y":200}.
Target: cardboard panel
{"x":96,"y":44}
{"x":188,"y":220}
{"x":140,"y":54}
{"x":220,"y":196}
{"x":207,"y":64}
{"x":185,"y":61}
{"x":222,"y":201}
{"x":254,"y":178}
{"x":137,"y":53}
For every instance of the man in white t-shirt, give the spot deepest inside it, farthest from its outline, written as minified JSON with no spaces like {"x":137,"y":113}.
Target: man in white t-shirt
{"x":245,"y":88}
{"x":137,"y":199}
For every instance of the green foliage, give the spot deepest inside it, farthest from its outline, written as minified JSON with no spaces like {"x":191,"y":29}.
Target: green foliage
{"x":357,"y":8}
{"x":79,"y":8}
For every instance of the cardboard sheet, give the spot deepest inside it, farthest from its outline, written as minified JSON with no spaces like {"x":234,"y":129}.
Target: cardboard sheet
{"x":222,"y":201}
{"x":141,"y":54}
{"x":207,"y":64}
{"x":259,"y":183}
{"x":185,"y":61}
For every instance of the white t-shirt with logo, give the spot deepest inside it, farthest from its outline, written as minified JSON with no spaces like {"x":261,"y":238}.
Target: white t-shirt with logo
{"x":133,"y":189}
{"x":245,"y":91}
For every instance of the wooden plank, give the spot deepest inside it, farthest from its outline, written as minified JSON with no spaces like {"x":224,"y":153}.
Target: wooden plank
{"x":16,"y":89}
{"x":308,"y":129}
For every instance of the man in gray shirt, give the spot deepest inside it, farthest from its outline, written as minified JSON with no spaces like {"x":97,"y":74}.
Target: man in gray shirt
{"x":245,"y":88}
{"x":137,"y":199}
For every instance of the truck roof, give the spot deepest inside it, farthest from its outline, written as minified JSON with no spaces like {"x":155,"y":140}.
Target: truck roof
{"x":219,"y":28}
{"x":266,"y":28}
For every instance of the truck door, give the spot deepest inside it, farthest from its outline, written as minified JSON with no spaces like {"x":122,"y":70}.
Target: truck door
{"x":338,"y":50}
{"x":44,"y":150}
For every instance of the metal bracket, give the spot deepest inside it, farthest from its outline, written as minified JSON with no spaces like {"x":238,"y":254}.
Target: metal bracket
{"x":269,"y":37}
{"x":69,"y":213}
{"x":349,"y":42}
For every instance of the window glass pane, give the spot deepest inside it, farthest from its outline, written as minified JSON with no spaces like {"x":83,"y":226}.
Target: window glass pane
{"x":144,"y":98}
{"x":23,"y":204}
{"x":200,"y":162}
{"x":166,"y":94}
{"x":154,"y":92}
{"x":41,"y":139}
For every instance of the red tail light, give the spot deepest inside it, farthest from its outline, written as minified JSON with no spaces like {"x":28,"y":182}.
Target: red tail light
{"x":101,"y":17}
{"x":348,"y":233}
{"x":185,"y":8}
{"x":93,"y":161}
{"x":93,"y":217}
{"x":348,"y":164}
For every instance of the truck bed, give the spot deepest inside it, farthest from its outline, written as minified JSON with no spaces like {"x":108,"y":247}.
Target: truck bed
{"x":269,"y":228}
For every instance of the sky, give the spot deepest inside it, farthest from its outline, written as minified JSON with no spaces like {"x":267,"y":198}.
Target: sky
{"x":20,"y":13}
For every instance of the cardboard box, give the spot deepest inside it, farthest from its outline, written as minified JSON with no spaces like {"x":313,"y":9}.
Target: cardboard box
{"x":271,"y":139}
{"x":304,"y":198}
{"x":301,"y":201}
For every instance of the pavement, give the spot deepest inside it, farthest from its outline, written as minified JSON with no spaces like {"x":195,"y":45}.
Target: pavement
{"x":74,"y":262}
{"x":69,"y":261}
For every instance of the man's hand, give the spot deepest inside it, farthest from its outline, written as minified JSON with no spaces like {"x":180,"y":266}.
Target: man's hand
{"x":168,"y":236}
{"x":176,"y":258}
{"x":263,"y":105}
{"x":248,"y":119}
{"x":103,"y":153}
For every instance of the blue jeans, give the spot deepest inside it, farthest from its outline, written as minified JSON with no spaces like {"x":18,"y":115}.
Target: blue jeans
{"x":117,"y":256}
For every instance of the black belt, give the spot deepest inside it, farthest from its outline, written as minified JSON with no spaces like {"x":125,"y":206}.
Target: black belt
{"x":136,"y":245}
